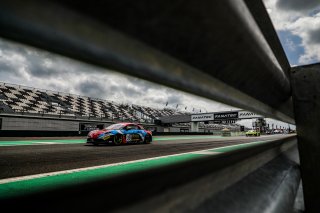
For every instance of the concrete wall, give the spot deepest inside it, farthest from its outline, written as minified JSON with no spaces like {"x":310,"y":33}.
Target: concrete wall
{"x":176,"y":119}
{"x":12,"y":123}
{"x":174,"y":129}
{"x":160,"y":129}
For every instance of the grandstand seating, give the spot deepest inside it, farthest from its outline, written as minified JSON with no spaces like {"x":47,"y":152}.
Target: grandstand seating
{"x":16,"y":98}
{"x":21,"y":99}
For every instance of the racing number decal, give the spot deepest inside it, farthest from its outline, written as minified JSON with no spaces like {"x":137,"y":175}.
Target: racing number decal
{"x":128,"y":137}
{"x":132,"y":137}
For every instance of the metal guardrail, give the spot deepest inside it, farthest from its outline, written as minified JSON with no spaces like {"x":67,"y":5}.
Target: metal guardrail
{"x":225,"y":50}
{"x":231,"y":63}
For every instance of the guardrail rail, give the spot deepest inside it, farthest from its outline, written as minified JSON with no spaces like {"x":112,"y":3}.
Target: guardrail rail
{"x":225,"y":50}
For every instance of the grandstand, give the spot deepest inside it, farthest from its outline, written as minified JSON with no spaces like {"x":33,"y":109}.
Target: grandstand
{"x":22,"y":100}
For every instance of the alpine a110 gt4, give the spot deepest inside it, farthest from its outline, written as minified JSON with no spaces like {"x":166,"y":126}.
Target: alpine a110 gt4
{"x":121,"y":133}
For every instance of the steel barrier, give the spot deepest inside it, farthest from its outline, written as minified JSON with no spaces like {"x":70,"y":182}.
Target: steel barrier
{"x":225,"y":50}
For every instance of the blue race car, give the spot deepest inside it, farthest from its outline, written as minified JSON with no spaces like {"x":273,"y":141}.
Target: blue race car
{"x":120,"y":133}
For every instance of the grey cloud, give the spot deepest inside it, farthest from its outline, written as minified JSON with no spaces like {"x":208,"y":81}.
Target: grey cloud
{"x":57,"y":87}
{"x":145,"y":85}
{"x":4,"y":77}
{"x":298,"y":5}
{"x":100,"y":89}
{"x":37,"y":69}
{"x":7,"y":65}
{"x":130,"y":91}
{"x":314,"y":36}
{"x":155,"y":100}
{"x":174,"y":99}
{"x":60,"y":66}
{"x":10,"y":47}
{"x":33,"y":59}
{"x":91,"y":89}
{"x":7,"y":69}
{"x":112,"y":89}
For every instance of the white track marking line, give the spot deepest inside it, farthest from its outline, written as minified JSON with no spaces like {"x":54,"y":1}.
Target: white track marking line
{"x":29,"y":177}
{"x":47,"y":142}
{"x":207,"y":152}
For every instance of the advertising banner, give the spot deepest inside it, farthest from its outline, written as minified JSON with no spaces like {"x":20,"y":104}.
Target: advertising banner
{"x":232,"y":115}
{"x":90,"y":126}
{"x":225,"y":115}
{"x":202,"y":117}
{"x":247,"y":114}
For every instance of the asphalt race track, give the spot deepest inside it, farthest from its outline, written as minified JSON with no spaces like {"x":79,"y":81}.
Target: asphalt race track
{"x":41,"y":155}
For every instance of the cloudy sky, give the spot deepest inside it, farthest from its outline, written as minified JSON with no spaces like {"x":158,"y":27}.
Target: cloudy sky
{"x":297,"y":23}
{"x":28,"y":66}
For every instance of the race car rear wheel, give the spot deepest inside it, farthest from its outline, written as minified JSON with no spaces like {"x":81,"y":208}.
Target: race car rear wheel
{"x":148,"y":139}
{"x":117,"y":139}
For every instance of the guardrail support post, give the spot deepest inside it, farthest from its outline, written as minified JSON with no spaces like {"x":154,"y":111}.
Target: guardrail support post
{"x":306,"y":97}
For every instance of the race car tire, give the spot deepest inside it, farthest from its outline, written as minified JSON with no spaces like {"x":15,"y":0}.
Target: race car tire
{"x":147,"y":139}
{"x":117,"y":139}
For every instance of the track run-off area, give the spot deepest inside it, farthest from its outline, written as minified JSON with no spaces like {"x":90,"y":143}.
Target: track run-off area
{"x":33,"y":164}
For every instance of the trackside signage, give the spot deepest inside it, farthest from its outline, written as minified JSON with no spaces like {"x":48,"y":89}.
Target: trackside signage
{"x":221,"y":116}
{"x":247,"y":114}
{"x":202,"y":117}
{"x":225,"y":115}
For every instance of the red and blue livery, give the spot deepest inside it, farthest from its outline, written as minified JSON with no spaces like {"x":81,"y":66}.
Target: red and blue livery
{"x":120,"y":133}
